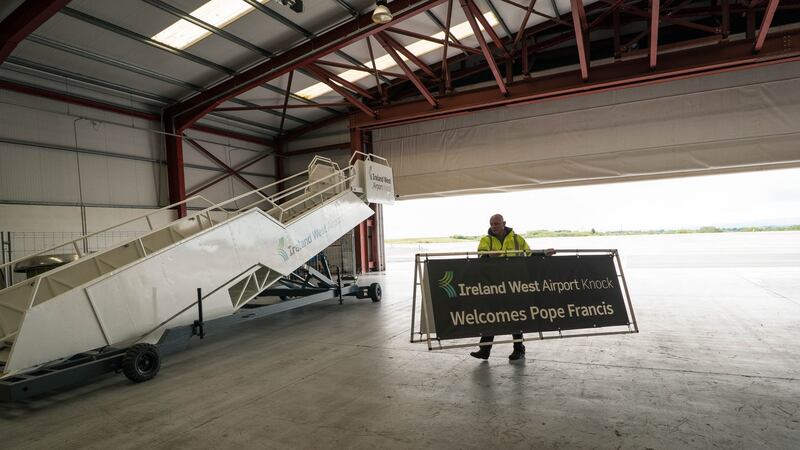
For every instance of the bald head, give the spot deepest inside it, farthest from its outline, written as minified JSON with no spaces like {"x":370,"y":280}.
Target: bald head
{"x":498,"y":225}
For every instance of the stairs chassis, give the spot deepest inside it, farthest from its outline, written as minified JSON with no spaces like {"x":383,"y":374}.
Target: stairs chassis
{"x":83,"y":368}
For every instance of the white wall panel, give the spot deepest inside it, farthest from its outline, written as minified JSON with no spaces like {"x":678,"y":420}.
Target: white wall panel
{"x":30,"y":174}
{"x":12,"y":72}
{"x":113,"y":181}
{"x":124,"y":171}
{"x":193,"y":156}
{"x":265,"y":166}
{"x":118,"y":139}
{"x":731,"y":121}
{"x":35,"y":125}
{"x":40,"y":218}
{"x":101,"y":218}
{"x":217,"y":193}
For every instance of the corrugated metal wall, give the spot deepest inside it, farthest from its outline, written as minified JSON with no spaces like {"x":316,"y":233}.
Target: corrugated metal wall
{"x":55,"y":158}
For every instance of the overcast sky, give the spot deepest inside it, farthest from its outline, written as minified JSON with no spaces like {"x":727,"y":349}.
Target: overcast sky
{"x":756,"y":198}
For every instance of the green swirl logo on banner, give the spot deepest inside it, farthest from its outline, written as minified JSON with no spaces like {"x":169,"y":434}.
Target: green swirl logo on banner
{"x":444,"y":283}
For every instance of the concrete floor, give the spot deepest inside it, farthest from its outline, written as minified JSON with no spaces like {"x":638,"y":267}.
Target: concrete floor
{"x":717,"y":364}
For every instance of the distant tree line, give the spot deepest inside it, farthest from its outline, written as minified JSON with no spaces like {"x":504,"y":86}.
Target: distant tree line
{"x":593,"y":232}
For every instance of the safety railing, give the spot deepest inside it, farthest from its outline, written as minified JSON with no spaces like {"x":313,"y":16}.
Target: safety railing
{"x":292,"y":197}
{"x":76,"y":243}
{"x":367,"y":157}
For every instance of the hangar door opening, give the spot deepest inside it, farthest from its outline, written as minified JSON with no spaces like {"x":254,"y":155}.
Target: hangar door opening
{"x":734,"y":121}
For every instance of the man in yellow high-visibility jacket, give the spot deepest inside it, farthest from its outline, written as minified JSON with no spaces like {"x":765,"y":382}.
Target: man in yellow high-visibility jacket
{"x":502,"y":238}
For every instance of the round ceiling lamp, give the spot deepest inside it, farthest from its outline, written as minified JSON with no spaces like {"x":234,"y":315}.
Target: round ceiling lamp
{"x":381,"y":14}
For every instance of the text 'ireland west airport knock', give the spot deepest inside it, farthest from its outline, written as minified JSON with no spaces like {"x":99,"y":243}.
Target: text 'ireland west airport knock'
{"x":474,"y":297}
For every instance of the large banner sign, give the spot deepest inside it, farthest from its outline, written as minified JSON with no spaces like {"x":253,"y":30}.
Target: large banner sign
{"x":495,"y":296}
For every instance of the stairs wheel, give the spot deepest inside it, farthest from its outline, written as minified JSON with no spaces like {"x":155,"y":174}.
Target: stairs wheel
{"x":375,"y":292}
{"x":141,"y":362}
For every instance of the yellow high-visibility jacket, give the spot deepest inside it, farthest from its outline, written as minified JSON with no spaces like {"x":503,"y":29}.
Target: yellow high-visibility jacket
{"x":512,"y":241}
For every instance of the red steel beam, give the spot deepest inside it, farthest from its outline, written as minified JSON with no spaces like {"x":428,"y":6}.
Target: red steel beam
{"x":725,"y":8}
{"x":286,"y":102}
{"x":667,"y":18}
{"x":299,"y":132}
{"x":484,"y":48}
{"x":322,"y":75}
{"x":267,"y":107}
{"x":488,"y":28}
{"x":434,"y":40}
{"x":321,"y":148}
{"x":445,"y":69}
{"x":176,"y":183}
{"x":524,"y":23}
{"x":360,"y":69}
{"x":360,"y":231}
{"x":539,"y":28}
{"x":411,"y":57}
{"x":765,"y":24}
{"x":219,"y":162}
{"x":610,"y":10}
{"x":280,"y":171}
{"x":36,"y":91}
{"x":581,"y":32}
{"x":385,"y":43}
{"x":342,"y":82}
{"x":617,"y":33}
{"x":725,"y":56}
{"x":24,"y":20}
{"x":654,"y":11}
{"x":384,"y":95}
{"x":233,"y":135}
{"x":556,"y":20}
{"x":192,"y":109}
{"x":208,"y":184}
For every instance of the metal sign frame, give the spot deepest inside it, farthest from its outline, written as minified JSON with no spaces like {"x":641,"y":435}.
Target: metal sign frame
{"x":435,"y":343}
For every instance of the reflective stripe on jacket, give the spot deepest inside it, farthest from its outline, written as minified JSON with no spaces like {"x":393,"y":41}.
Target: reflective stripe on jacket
{"x":512,"y":241}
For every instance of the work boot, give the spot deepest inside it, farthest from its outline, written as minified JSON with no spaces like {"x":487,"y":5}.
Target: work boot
{"x":519,"y":352}
{"x":483,"y":353}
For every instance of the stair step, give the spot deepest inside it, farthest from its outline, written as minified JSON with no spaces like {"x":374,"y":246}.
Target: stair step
{"x":4,"y":354}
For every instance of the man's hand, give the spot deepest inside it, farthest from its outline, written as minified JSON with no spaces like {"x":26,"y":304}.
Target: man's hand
{"x":550,"y":252}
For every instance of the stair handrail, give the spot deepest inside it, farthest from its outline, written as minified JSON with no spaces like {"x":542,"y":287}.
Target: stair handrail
{"x":214,"y":206}
{"x":302,"y":187}
{"x":271,"y":199}
{"x":75,"y":241}
{"x":367,"y":157}
{"x":299,"y":200}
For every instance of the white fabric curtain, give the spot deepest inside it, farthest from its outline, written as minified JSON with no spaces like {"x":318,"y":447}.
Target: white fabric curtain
{"x":734,"y":121}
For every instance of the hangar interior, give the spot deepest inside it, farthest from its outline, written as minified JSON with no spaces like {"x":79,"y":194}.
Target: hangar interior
{"x":110,"y":111}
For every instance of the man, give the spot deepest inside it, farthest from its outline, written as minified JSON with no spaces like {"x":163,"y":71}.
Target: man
{"x":502,"y":238}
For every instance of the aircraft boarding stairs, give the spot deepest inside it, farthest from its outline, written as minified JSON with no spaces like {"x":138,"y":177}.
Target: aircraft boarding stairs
{"x":133,"y":292}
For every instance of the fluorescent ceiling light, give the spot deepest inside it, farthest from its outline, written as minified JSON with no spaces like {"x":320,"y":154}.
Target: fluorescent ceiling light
{"x":419,"y":48}
{"x":219,"y":13}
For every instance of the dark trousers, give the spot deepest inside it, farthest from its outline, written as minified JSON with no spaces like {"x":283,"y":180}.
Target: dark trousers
{"x":488,"y":348}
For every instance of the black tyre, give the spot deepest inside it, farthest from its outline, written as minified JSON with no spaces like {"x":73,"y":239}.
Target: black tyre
{"x":141,"y":362}
{"x":375,"y":292}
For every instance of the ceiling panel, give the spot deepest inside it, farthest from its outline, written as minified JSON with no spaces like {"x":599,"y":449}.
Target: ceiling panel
{"x":8,"y":6}
{"x":133,"y":15}
{"x":313,"y":115}
{"x":214,"y":48}
{"x":81,"y":34}
{"x":255,"y":27}
{"x":66,"y":61}
{"x":261,"y":96}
